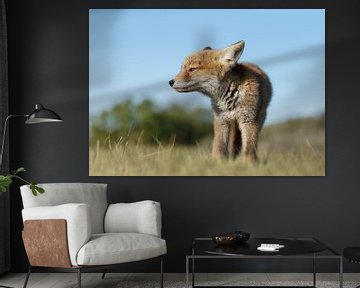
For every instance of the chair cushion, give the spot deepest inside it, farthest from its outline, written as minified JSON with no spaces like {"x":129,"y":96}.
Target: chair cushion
{"x":137,"y":217}
{"x":114,"y":248}
{"x":92,"y":194}
{"x":352,"y":253}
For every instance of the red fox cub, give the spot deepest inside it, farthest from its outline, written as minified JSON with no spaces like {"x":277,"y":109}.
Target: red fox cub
{"x":239,"y":93}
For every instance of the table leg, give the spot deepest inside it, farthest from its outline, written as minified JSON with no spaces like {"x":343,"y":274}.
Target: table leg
{"x":193,"y":267}
{"x":314,"y":271}
{"x":193,"y":272}
{"x":341,"y":273}
{"x":187,"y":272}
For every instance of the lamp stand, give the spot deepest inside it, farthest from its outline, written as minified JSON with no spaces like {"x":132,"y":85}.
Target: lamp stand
{"x":4,"y":135}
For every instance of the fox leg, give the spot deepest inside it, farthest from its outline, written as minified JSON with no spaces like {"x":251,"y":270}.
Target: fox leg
{"x":221,"y":135}
{"x":234,"y":142}
{"x":249,"y":135}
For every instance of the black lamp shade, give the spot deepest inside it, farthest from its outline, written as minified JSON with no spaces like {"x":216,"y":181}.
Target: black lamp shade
{"x":42,"y":115}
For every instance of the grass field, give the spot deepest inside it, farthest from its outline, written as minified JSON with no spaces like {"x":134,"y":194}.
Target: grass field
{"x":293,"y":148}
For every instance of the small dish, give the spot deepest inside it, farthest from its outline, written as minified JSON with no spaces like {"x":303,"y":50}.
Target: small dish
{"x":225,"y":239}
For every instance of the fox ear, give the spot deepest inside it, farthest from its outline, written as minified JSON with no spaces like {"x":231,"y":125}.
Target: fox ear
{"x":232,"y":53}
{"x":207,"y":48}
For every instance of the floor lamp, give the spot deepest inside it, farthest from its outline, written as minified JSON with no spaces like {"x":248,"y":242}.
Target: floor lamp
{"x":39,"y":115}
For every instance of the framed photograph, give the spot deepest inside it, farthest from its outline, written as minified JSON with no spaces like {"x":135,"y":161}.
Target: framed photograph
{"x":207,"y":92}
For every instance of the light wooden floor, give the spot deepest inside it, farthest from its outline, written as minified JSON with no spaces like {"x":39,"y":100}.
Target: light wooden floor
{"x":113,"y":280}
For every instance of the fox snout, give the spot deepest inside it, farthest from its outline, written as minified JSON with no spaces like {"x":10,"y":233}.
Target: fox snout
{"x":181,"y":85}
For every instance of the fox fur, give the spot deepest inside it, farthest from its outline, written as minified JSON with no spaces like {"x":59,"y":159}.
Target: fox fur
{"x":240,"y":94}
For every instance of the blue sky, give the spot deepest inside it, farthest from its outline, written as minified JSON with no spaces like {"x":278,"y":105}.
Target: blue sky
{"x":134,"y":48}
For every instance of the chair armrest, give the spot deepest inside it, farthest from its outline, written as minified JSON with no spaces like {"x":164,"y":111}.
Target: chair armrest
{"x":52,"y":250}
{"x":138,"y":217}
{"x":77,"y":218}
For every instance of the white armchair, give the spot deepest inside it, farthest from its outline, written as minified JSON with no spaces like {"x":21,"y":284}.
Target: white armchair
{"x":72,"y":228}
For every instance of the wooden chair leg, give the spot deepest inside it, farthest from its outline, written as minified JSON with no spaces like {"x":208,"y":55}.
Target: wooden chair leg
{"x":27,"y":277}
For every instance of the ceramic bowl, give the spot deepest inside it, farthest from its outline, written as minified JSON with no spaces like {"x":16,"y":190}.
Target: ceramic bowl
{"x":225,"y":239}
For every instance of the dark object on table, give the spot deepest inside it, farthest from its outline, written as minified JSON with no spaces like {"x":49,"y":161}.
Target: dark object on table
{"x":231,"y":238}
{"x":242,"y":236}
{"x":353,"y":254}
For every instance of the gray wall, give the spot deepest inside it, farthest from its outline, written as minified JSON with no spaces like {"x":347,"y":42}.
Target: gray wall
{"x":48,"y":49}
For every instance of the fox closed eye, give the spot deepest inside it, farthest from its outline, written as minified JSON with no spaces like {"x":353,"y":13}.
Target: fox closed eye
{"x":192,"y":69}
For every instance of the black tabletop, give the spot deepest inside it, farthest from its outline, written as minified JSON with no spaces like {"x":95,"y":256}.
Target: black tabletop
{"x":291,"y":247}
